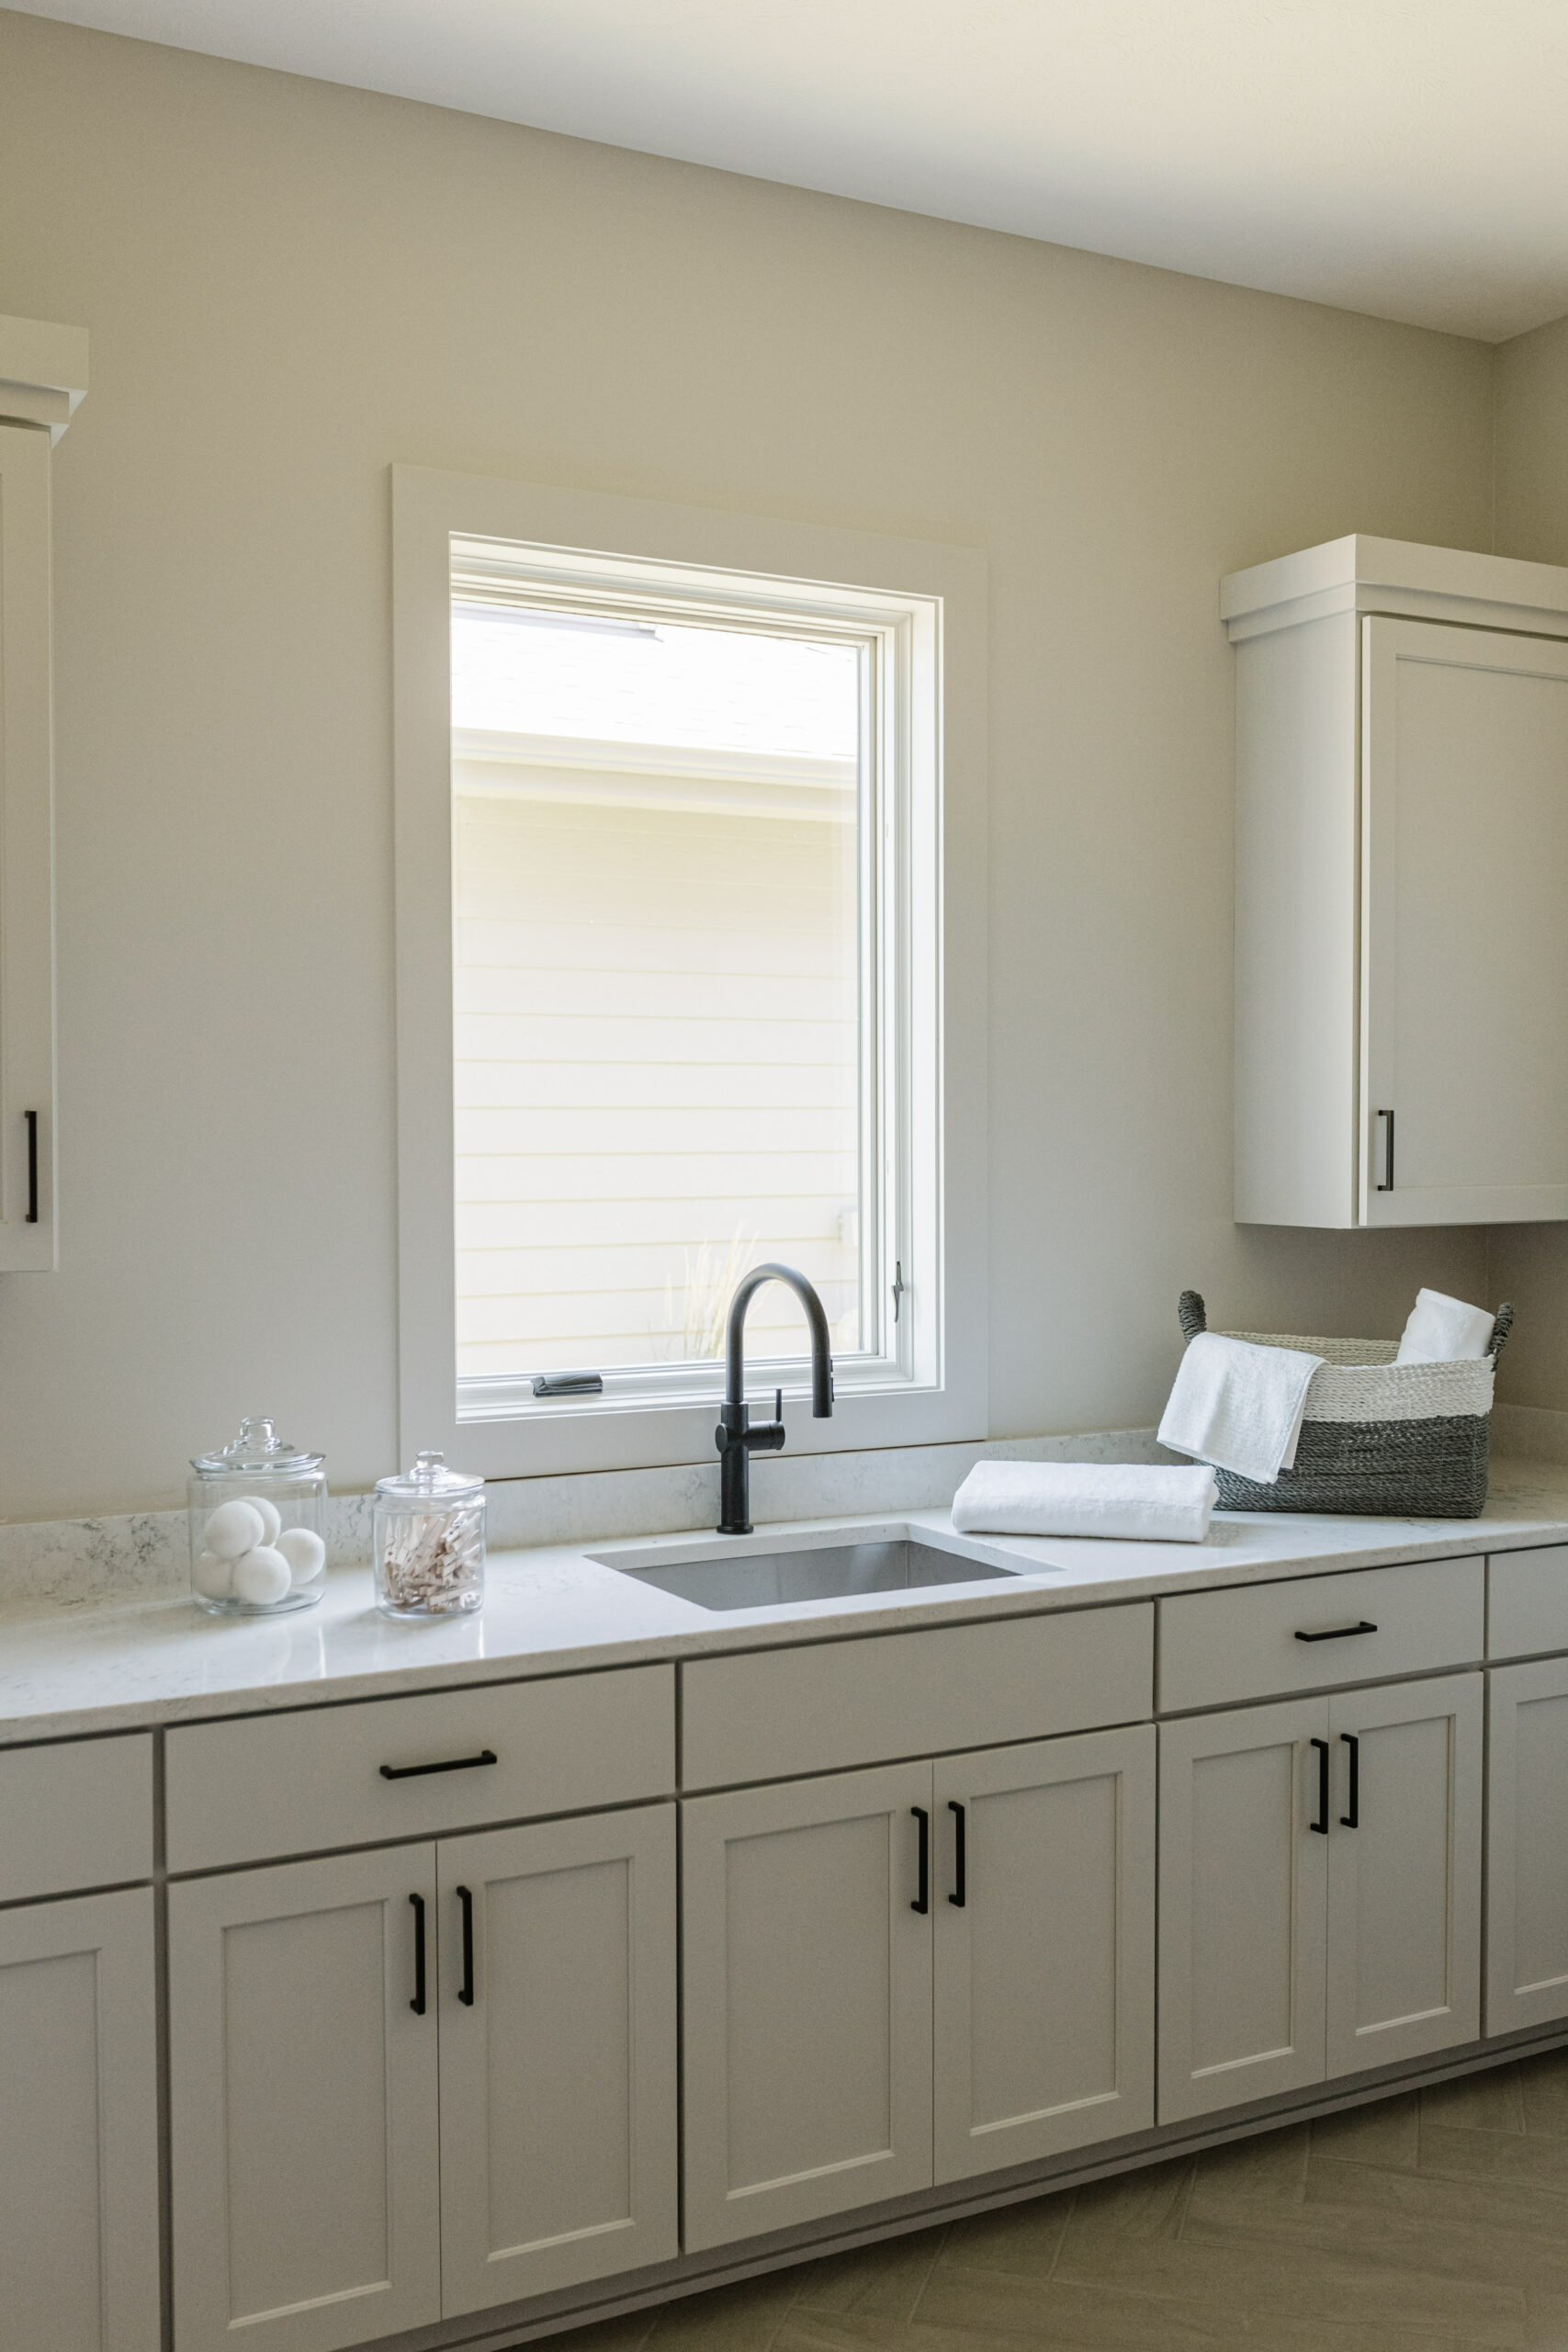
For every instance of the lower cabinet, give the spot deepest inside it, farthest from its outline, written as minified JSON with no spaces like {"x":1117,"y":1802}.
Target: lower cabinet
{"x":79,"y":2126}
{"x":1320,"y":1874}
{"x":1526,"y":1940}
{"x":333,"y":2182}
{"x":914,"y":1973}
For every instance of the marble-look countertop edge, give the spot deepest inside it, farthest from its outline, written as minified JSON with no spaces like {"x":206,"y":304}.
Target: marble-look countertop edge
{"x":559,"y":1611}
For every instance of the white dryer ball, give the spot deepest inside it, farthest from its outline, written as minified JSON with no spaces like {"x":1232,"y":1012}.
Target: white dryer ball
{"x":213,"y":1578}
{"x":261,"y":1575}
{"x":234,"y":1528}
{"x":269,"y":1518}
{"x":304,"y":1551}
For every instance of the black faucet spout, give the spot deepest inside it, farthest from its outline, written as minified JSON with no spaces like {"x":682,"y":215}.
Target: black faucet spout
{"x":737,"y":1441}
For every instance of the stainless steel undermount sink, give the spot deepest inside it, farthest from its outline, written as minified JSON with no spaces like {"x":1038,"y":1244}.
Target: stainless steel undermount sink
{"x":829,"y":1572}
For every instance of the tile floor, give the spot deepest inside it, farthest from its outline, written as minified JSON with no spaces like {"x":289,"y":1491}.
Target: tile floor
{"x":1437,"y":2221}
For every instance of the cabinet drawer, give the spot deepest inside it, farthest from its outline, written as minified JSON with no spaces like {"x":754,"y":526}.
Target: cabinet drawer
{"x":777,"y":1713}
{"x":75,"y":1816}
{"x":1217,"y":1648}
{"x":1527,"y":1602}
{"x":274,"y":1785}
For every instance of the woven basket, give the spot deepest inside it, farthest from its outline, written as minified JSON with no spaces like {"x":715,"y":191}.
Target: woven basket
{"x":1405,"y":1440}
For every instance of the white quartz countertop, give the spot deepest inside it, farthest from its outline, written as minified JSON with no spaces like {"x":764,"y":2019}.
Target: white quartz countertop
{"x":98,"y":1667}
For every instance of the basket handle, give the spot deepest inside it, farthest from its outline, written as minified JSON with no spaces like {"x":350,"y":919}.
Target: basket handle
{"x":1194,"y":1315}
{"x":1500,"y":1330}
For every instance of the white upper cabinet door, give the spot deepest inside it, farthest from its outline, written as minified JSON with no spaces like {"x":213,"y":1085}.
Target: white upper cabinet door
{"x":1464,"y":800}
{"x":1526,"y":1829}
{"x":303,"y":2109}
{"x":1404,"y":1872}
{"x":806,"y":2000}
{"x":1242,"y":1895}
{"x":1044,"y":1917}
{"x":558,"y":2155}
{"x":26,"y":856}
{"x":79,"y":2126}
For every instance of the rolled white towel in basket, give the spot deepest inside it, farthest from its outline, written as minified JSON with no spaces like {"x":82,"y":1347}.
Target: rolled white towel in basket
{"x":1445,"y":1331}
{"x":1146,"y":1500}
{"x":1238,"y":1406}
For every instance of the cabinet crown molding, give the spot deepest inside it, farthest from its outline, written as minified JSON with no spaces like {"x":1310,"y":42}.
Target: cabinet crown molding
{"x":44,"y":373}
{"x":1358,"y":574}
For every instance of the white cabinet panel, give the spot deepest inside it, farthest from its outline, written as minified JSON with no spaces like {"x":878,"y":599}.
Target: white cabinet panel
{"x":77,"y":1813}
{"x":807,"y":2003}
{"x":1404,"y":1872}
{"x":558,"y":2156}
{"x":28,"y":1236}
{"x":1243,"y":1891}
{"x":1042,"y":1915}
{"x":303,"y":2103}
{"x":1464,"y":787}
{"x":1527,"y":1948}
{"x":1526,"y":1605}
{"x":79,"y":2126}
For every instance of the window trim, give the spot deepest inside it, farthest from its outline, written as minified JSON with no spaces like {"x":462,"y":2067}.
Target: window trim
{"x":940,"y":1392}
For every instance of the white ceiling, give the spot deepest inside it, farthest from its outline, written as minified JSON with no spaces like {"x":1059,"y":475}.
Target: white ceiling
{"x":1406,"y":157}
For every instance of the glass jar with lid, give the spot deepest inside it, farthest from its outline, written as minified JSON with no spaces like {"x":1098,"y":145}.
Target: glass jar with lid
{"x":429,"y":1541}
{"x":257,"y":1525}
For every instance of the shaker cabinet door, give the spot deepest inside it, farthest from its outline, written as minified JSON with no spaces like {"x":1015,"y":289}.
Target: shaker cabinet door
{"x":303,"y":2103}
{"x":806,"y":2000}
{"x":79,"y":2126}
{"x":1244,"y":1884}
{"x":1465,"y":789}
{"x":1404,"y":1872}
{"x":1527,"y":1859}
{"x":1044,"y":1920}
{"x":558,"y":2156}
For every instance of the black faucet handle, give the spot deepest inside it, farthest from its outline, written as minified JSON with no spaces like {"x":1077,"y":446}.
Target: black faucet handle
{"x":778,"y":1407}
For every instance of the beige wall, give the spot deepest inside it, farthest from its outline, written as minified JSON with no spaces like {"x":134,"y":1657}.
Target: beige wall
{"x":290,"y":285}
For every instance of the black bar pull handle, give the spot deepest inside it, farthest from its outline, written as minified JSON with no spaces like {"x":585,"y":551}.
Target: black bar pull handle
{"x":1321,"y":1824}
{"x":31,"y":1118}
{"x":465,"y":1990}
{"x":447,"y":1764}
{"x":922,"y":1900}
{"x":960,"y":1858}
{"x":417,"y":2004}
{"x":1339,"y":1633}
{"x":1352,"y":1820}
{"x":1387,"y":1183}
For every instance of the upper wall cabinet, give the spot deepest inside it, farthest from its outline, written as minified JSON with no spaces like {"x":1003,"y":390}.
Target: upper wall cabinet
{"x":1402,"y":887}
{"x":43,"y":374}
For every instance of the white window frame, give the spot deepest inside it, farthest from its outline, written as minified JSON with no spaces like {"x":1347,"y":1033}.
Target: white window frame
{"x":923,"y":608}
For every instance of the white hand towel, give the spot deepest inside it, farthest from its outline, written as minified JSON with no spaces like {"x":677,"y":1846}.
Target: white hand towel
{"x":1444,"y":1330}
{"x":1143,"y":1499}
{"x":1239,"y":1406}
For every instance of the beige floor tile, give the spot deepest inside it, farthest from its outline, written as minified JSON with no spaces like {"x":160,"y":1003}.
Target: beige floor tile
{"x":1508,"y":2207}
{"x":1544,"y":2086}
{"x":1385,"y":2133}
{"x":883,"y":2280}
{"x":1433,"y":2249}
{"x":1488,"y":2102}
{"x":627,"y":2335}
{"x":984,"y":2304}
{"x":1531,"y":2158}
{"x":1144,"y":2204}
{"x":726,"y":2319}
{"x":1021,"y":2239}
{"x":1268,"y":2170}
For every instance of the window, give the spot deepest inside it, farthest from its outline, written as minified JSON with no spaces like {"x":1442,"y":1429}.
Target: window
{"x":673,"y":880}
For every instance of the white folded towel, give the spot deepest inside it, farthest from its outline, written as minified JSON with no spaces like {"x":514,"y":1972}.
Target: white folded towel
{"x":1444,"y":1330}
{"x":1143,"y":1499}
{"x":1238,"y":1406}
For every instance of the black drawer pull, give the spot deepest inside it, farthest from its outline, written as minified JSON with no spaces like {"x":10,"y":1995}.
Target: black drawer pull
{"x":1352,"y":1820}
{"x":960,"y":1858}
{"x":448,"y":1764}
{"x":417,"y":2004}
{"x":1339,"y":1633}
{"x":465,"y":1990}
{"x":922,"y":1900}
{"x":1321,"y":1824}
{"x":31,"y":1118}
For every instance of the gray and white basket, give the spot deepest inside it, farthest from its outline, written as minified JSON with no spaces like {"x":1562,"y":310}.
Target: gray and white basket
{"x":1408,"y":1441}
